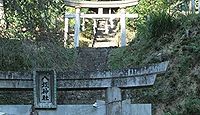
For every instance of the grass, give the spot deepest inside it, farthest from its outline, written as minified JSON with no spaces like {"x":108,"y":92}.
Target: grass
{"x":26,"y":55}
{"x":171,"y":91}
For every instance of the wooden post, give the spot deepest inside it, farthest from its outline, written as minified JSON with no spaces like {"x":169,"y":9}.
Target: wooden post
{"x":77,"y":28}
{"x":123,"y":27}
{"x":66,"y":31}
{"x":113,"y":101}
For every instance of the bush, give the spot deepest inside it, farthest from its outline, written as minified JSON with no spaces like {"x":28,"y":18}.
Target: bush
{"x":156,"y":24}
{"x":192,"y":107}
{"x":17,"y":55}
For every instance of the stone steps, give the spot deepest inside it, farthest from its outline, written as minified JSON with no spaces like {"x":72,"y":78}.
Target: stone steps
{"x":92,"y":59}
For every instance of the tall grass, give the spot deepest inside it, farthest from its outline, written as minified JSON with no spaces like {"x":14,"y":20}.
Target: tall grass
{"x":25,"y":55}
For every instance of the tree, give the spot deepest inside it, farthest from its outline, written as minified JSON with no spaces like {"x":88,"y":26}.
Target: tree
{"x":34,"y":19}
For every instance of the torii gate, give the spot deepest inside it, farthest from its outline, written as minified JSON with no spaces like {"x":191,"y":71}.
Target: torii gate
{"x":46,"y":82}
{"x":100,"y":5}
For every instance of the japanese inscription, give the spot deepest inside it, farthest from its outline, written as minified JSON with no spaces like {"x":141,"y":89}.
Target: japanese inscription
{"x":45,"y":92}
{"x":44,"y":89}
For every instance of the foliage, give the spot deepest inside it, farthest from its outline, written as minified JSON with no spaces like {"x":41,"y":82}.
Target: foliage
{"x":181,"y":81}
{"x":192,"y":107}
{"x":33,"y":35}
{"x":25,"y":55}
{"x":150,"y":6}
{"x":146,"y":7}
{"x":33,"y":19}
{"x":156,"y":25}
{"x":88,"y":32}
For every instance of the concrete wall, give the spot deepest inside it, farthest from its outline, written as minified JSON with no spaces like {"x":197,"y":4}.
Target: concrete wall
{"x":135,"y":109}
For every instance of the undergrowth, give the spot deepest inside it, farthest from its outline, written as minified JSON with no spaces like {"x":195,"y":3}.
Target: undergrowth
{"x":177,"y":91}
{"x":18,"y":55}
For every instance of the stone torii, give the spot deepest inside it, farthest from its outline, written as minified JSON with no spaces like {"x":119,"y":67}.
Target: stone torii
{"x":46,"y":82}
{"x":100,"y":5}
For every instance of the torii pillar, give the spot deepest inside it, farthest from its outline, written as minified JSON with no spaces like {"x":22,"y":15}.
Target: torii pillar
{"x":123,"y":26}
{"x":77,"y":27}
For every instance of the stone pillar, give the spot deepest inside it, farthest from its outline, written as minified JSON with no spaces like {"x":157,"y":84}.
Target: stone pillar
{"x":1,"y":9}
{"x":106,"y":26}
{"x":77,"y":28}
{"x":113,"y":101}
{"x":2,"y":21}
{"x":199,"y":6}
{"x":110,"y":11}
{"x":193,"y":6}
{"x":83,"y":25}
{"x":123,"y":27}
{"x":100,"y":10}
{"x":66,"y":30}
{"x":94,"y":26}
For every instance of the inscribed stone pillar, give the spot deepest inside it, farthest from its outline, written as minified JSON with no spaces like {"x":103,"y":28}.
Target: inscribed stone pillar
{"x":77,"y":28}
{"x":123,"y":27}
{"x":113,"y":101}
{"x":44,"y":82}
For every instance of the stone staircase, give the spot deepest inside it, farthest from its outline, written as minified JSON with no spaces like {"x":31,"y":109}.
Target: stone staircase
{"x":92,"y":59}
{"x":106,"y":36}
{"x":86,"y":60}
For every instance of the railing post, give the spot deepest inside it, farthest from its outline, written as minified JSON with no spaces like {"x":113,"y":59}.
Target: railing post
{"x":123,"y":27}
{"x":77,"y":28}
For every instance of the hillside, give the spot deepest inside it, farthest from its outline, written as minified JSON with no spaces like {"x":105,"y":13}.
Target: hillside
{"x":176,"y":92}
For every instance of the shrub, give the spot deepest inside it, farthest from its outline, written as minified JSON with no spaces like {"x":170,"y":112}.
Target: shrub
{"x":156,"y":24}
{"x":192,"y":107}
